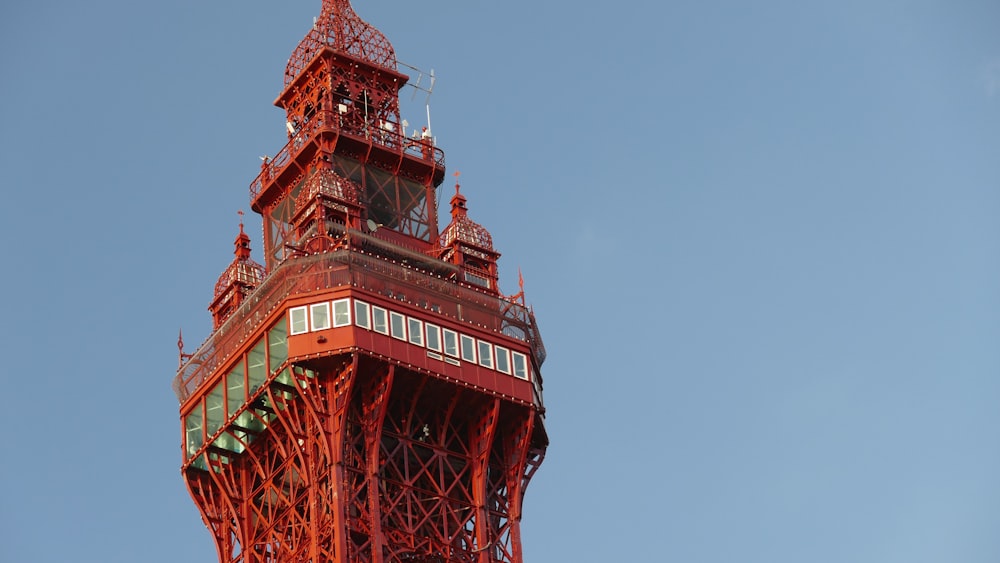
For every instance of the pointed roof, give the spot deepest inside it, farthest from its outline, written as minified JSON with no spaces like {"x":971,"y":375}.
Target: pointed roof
{"x":462,"y":228}
{"x":243,"y":270}
{"x":340,"y":29}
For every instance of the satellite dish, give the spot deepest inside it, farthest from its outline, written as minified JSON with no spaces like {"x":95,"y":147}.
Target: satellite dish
{"x":373,"y":226}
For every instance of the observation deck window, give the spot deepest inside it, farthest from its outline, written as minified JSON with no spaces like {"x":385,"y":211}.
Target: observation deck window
{"x":433,"y":337}
{"x":193,"y":425}
{"x":362,"y":314}
{"x":416,"y":329}
{"x":380,"y":320}
{"x":341,"y":313}
{"x":298,"y":319}
{"x":320,"y":313}
{"x":451,"y":343}
{"x":468,"y":348}
{"x":236,"y":392}
{"x":485,"y":354}
{"x":256,"y":367}
{"x":520,"y":365}
{"x":215,"y":409}
{"x":503,"y":359}
{"x":277,"y":346}
{"x":397,"y":325}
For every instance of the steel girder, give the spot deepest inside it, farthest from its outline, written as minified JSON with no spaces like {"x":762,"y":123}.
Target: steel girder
{"x":365,"y":461}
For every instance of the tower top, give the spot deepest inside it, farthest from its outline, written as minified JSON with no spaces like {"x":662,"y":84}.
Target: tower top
{"x":340,"y":29}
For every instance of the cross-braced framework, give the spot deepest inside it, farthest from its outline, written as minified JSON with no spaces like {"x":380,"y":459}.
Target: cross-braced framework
{"x":362,"y":461}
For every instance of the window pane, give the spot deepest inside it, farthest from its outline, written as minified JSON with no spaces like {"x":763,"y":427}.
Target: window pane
{"x":468,"y":348}
{"x":362,"y":315}
{"x":256,"y":369}
{"x":380,"y":320}
{"x":503,"y":359}
{"x":235,"y":389}
{"x":192,"y":431}
{"x":341,"y":312}
{"x":215,"y":409}
{"x":397,"y":326}
{"x":520,"y":365}
{"x":416,"y":331}
{"x":451,"y":343}
{"x":298,"y":320}
{"x":485,"y":354}
{"x":320,"y":316}
{"x":277,"y":344}
{"x":433,"y":337}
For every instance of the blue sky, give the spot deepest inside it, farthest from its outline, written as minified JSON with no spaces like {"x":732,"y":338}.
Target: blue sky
{"x":761,"y":240}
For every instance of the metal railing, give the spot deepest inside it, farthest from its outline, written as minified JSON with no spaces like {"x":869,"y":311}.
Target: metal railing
{"x":374,"y":274}
{"x":393,"y":140}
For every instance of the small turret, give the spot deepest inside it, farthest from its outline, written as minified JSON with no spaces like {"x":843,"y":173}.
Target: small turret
{"x":239,"y":280}
{"x":469,"y":245}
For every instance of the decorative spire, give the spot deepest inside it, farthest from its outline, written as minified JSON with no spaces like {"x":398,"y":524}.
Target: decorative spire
{"x":463,"y":229}
{"x":340,"y":29}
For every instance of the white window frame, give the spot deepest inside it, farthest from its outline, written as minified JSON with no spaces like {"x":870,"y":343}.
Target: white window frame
{"x":454,"y":337}
{"x":345,"y":305}
{"x":325,"y":307}
{"x":436,"y":331}
{"x":304,"y":320}
{"x":504,"y":353}
{"x":363,"y":320}
{"x":487,"y":360}
{"x":461,"y":348}
{"x":376,"y":312}
{"x":524,"y":362}
{"x":416,"y":338}
{"x":393,"y":317}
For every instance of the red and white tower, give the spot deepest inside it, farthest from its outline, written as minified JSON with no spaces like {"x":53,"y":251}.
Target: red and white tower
{"x":367,"y":394}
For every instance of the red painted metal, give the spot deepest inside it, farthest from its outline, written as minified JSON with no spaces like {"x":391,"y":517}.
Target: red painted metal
{"x":345,"y":442}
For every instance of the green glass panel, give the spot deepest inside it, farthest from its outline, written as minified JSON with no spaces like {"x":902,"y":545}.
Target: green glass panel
{"x":250,"y":422}
{"x":194,"y":437}
{"x":277,"y":342}
{"x":215,"y":410}
{"x":229,"y":442}
{"x":200,"y":463}
{"x":256,"y":367}
{"x":236,"y":393}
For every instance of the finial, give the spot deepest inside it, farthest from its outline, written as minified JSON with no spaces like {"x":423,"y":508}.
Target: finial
{"x":180,"y":347}
{"x":240,"y":213}
{"x":456,"y":175}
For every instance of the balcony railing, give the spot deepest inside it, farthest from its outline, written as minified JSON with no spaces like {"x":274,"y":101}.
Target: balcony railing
{"x":394,"y":141}
{"x":376,"y":275}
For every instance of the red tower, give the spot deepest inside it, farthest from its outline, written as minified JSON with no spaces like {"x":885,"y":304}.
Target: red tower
{"x":368,"y":394}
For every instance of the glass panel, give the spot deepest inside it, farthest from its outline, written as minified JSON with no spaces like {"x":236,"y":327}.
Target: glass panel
{"x":215,"y":409}
{"x":277,"y":346}
{"x":235,"y":389}
{"x":362,"y":315}
{"x":320,"y":313}
{"x":299,"y":320}
{"x":229,"y":442}
{"x":468,"y":348}
{"x":520,"y":365}
{"x":416,"y":331}
{"x":503,"y":359}
{"x":341,"y":312}
{"x":433,"y":337}
{"x":397,"y":326}
{"x":485,"y":354}
{"x":451,"y":342}
{"x":256,"y":369}
{"x":380,"y":320}
{"x":193,"y":436}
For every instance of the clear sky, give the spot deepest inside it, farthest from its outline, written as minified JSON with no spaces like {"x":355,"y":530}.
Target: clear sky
{"x":762,"y":240}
